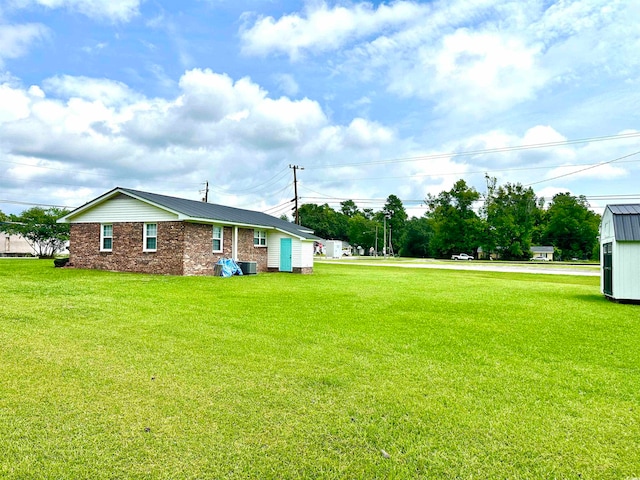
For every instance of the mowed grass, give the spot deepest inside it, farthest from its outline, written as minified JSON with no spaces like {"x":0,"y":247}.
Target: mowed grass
{"x":352,"y":372}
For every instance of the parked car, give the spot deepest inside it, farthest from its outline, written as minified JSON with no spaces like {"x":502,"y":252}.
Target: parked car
{"x":540,"y":258}
{"x":462,"y":256}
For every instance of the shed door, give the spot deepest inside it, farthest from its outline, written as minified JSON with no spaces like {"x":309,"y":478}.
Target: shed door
{"x":286,"y":264}
{"x":607,"y":268}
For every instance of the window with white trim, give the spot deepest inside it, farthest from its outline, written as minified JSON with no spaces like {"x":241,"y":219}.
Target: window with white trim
{"x":259,"y":238}
{"x":218,"y":233}
{"x":150,"y":237}
{"x":106,"y":237}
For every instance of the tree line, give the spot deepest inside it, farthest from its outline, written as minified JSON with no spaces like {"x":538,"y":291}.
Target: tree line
{"x":504,"y":222}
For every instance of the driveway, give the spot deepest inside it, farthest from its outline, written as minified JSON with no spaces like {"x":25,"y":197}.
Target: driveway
{"x":537,"y":268}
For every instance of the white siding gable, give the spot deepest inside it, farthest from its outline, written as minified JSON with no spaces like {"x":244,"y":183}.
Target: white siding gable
{"x":124,"y":209}
{"x":607,"y":233}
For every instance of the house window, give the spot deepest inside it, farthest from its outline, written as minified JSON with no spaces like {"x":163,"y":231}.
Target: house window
{"x":260,"y":238}
{"x":217,"y":238}
{"x":106,"y":238}
{"x":150,"y":237}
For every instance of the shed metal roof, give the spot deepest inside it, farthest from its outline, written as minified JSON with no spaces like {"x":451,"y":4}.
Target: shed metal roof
{"x":192,"y":210}
{"x":626,"y":222}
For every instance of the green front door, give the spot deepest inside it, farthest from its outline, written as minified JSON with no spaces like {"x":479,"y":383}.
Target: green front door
{"x":286,"y":264}
{"x":607,"y":268}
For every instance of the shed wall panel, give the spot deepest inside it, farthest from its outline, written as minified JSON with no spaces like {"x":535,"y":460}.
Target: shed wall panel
{"x":626,"y":270}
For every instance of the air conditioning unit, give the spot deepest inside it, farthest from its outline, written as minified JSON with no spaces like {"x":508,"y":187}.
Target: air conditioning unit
{"x":248,"y":268}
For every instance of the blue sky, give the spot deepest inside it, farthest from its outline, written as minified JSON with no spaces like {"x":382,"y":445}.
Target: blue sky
{"x":371,"y":98}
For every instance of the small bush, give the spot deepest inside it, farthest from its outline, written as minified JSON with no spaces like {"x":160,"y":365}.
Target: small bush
{"x":61,"y":262}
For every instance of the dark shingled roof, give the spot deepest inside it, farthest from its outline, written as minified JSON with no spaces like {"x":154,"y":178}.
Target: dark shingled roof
{"x":626,"y":222}
{"x":194,"y":211}
{"x":222,"y":213}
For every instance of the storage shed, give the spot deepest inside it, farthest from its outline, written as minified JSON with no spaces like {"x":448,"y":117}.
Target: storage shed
{"x":334,"y":249}
{"x":620,"y":253}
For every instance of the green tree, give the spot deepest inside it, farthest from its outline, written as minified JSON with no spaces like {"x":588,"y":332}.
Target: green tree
{"x":572,"y":227}
{"x":455,"y":225}
{"x":396,"y":217}
{"x":349,"y":208}
{"x":38,"y":226}
{"x":362,"y":231}
{"x":540,"y":219}
{"x":3,"y":217}
{"x":368,"y":213}
{"x":324,"y":221}
{"x":510,"y":216}
{"x":416,"y":238}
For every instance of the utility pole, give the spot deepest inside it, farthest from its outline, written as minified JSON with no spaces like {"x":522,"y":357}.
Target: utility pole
{"x":376,"y":240}
{"x":384,"y":242}
{"x":205,"y":199}
{"x":295,"y":190}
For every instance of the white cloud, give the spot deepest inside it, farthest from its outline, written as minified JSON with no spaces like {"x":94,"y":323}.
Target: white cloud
{"x":287,"y":84}
{"x":470,"y":59}
{"x":14,"y":104}
{"x":474,"y":72}
{"x":15,"y":40}
{"x":216,"y":128}
{"x":109,"y":92}
{"x":322,"y":28}
{"x":111,"y":10}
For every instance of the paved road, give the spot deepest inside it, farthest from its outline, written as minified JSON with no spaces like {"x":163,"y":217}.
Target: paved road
{"x":544,"y":269}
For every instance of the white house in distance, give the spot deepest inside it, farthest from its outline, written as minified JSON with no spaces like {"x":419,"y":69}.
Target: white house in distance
{"x":620,"y":253}
{"x":542,"y":251}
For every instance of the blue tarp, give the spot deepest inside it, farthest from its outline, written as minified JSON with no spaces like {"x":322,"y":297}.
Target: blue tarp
{"x":229,"y":267}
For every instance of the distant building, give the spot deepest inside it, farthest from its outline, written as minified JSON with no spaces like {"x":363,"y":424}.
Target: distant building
{"x":15,"y":246}
{"x":542,"y":251}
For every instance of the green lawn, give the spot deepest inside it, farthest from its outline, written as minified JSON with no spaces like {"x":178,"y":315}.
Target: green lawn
{"x":352,"y":372}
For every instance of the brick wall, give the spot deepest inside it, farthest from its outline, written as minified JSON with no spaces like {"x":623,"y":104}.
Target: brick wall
{"x":127,"y":254}
{"x":199,"y":258}
{"x":247,"y":252}
{"x":183,"y":248}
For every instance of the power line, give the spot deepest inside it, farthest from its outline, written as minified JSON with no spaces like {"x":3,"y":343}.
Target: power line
{"x":16,"y":202}
{"x":255,"y":188}
{"x":484,"y":151}
{"x":583,"y":169}
{"x":474,"y":172}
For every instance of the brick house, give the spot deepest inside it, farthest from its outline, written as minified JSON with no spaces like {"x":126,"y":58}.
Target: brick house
{"x":133,"y":231}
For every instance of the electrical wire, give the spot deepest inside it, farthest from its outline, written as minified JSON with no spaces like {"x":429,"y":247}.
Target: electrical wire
{"x":483,"y":151}
{"x":583,"y":169}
